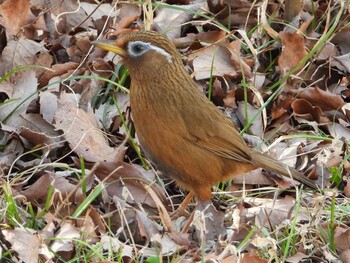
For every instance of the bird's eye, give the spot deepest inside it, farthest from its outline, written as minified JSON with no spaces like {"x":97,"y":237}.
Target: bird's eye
{"x":137,"y":48}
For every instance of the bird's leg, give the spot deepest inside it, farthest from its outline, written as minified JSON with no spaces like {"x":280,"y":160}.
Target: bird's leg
{"x":208,"y":222}
{"x":181,"y":210}
{"x":201,"y":206}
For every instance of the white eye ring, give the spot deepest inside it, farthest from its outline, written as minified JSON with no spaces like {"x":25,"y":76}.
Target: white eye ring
{"x":138,"y":48}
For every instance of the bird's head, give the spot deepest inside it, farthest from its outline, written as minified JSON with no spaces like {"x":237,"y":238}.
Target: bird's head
{"x":143,"y":50}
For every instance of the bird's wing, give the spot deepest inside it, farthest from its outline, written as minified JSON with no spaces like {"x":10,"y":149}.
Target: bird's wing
{"x":209,"y":129}
{"x":224,"y":149}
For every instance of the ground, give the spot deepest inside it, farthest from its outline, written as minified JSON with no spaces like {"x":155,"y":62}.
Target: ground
{"x":76,"y":185}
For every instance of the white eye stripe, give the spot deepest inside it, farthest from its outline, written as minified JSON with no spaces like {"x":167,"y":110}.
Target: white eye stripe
{"x":147,"y":46}
{"x":162,"y":52}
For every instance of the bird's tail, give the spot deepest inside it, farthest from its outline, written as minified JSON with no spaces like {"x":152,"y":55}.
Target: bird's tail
{"x":270,"y":164}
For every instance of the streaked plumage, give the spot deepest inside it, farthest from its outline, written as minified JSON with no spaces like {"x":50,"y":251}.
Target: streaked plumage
{"x":180,"y":130}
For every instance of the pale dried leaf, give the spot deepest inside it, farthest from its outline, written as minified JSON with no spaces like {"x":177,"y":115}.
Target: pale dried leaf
{"x":264,"y":242}
{"x":131,"y":177}
{"x":339,"y":131}
{"x":103,"y":10}
{"x":12,"y":150}
{"x":328,"y":51}
{"x":256,"y":128}
{"x":274,"y":212}
{"x":24,"y":91}
{"x":286,"y":152}
{"x":169,"y":20}
{"x":65,"y":188}
{"x":344,"y":60}
{"x":204,"y":66}
{"x":342,"y":39}
{"x":7,"y":88}
{"x":25,"y":242}
{"x":64,"y":237}
{"x":298,"y":257}
{"x":254,"y":177}
{"x":247,"y":258}
{"x":105,"y":114}
{"x":110,"y":243}
{"x":153,"y":232}
{"x":209,"y":222}
{"x":39,"y":132}
{"x":48,"y":105}
{"x":82,"y":132}
{"x":235,"y":49}
{"x":25,"y":52}
{"x":69,"y":14}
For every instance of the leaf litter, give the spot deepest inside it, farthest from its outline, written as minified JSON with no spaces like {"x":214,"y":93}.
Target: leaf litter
{"x":62,"y":137}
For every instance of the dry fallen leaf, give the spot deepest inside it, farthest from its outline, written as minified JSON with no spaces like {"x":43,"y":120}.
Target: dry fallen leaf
{"x":342,"y":239}
{"x":152,"y":231}
{"x":208,"y":223}
{"x":12,"y":149}
{"x":58,"y":34}
{"x":126,"y":182}
{"x":298,"y":257}
{"x":25,"y":52}
{"x":256,"y":128}
{"x":24,"y":91}
{"x":68,"y":15}
{"x":82,"y":132}
{"x":263,"y":242}
{"x":114,"y":244}
{"x":39,"y":188}
{"x":293,"y":51}
{"x":48,"y":105}
{"x":272,"y":212}
{"x":25,"y":242}
{"x":253,"y":259}
{"x":235,"y":49}
{"x":103,"y":10}
{"x":38,"y":132}
{"x":169,"y":20}
{"x":15,"y":15}
{"x":212,"y":61}
{"x":323,"y":99}
{"x":63,"y":238}
{"x":203,"y":37}
{"x":255,"y":177}
{"x":56,"y":70}
{"x":345,"y":256}
{"x":307,"y":113}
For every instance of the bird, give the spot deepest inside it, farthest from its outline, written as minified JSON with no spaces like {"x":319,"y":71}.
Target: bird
{"x":179,"y":129}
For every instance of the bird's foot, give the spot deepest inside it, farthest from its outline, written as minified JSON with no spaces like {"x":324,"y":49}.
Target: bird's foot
{"x":181,"y":211}
{"x":208,"y":222}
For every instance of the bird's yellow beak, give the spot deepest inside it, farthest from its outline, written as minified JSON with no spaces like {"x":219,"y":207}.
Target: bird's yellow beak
{"x":109,"y":45}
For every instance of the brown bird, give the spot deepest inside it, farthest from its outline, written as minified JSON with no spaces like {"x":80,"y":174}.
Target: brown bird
{"x":183,"y":133}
